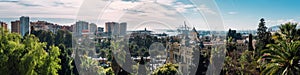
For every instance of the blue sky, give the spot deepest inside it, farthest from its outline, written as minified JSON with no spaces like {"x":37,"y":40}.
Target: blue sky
{"x":236,"y":14}
{"x":248,"y":12}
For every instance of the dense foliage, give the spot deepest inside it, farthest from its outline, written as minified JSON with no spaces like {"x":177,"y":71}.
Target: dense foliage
{"x":27,"y":56}
{"x":47,"y":53}
{"x":263,"y":37}
{"x":167,"y":69}
{"x":63,"y":40}
{"x":282,"y":57}
{"x":276,"y":53}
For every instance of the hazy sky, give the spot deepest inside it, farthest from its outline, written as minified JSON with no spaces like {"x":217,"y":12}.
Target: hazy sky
{"x":156,"y":14}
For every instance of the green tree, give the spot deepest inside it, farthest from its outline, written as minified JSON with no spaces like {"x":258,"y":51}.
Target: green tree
{"x":51,"y":63}
{"x":62,"y":39}
{"x":34,"y":57}
{"x":247,"y":63}
{"x":26,"y":56}
{"x":167,"y":69}
{"x":117,"y":53}
{"x":90,"y":67}
{"x":264,"y":38}
{"x":11,"y":50}
{"x":283,"y":59}
{"x":66,"y":60}
{"x":250,"y":44}
{"x":288,"y":33}
{"x":45,"y":36}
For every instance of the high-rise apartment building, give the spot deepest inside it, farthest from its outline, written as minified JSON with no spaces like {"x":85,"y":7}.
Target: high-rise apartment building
{"x":123,"y":28}
{"x":24,"y":25}
{"x":110,"y":27}
{"x":15,"y":26}
{"x":115,"y":28}
{"x":93,"y":28}
{"x":81,"y":26}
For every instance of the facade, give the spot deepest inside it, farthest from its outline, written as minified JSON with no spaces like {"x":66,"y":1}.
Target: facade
{"x":93,"y":28}
{"x":69,"y":28}
{"x":46,"y":26}
{"x":194,"y":36}
{"x":15,"y":26}
{"x":188,"y":46}
{"x":79,"y":27}
{"x":85,"y":26}
{"x":111,"y":27}
{"x":41,"y":25}
{"x":123,"y":28}
{"x":24,"y":25}
{"x":3,"y":25}
{"x":115,"y":29}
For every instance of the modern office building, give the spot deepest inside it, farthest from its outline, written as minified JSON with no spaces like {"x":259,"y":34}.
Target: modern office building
{"x":3,"y":25}
{"x":15,"y":26}
{"x":24,"y":25}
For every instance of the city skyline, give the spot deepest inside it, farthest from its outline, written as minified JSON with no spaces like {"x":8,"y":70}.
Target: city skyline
{"x":239,"y":15}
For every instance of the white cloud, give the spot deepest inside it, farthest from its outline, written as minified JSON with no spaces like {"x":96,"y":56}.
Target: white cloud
{"x":280,"y":21}
{"x":50,"y":3}
{"x":8,"y":0}
{"x":232,"y":13}
{"x":180,"y":7}
{"x":139,"y":12}
{"x":165,"y":11}
{"x":66,"y":8}
{"x":40,"y":8}
{"x":166,"y":2}
{"x":203,"y":8}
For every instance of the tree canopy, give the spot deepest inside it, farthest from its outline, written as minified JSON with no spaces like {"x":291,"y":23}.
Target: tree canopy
{"x":26,"y":55}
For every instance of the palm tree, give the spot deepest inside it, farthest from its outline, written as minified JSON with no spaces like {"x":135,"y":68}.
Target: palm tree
{"x":283,"y":58}
{"x":288,"y":32}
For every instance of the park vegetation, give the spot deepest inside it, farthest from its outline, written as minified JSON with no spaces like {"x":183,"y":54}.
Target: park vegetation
{"x":47,"y":53}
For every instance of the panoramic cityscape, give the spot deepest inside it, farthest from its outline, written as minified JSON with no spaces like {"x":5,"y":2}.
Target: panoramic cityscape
{"x":155,"y":37}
